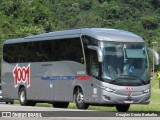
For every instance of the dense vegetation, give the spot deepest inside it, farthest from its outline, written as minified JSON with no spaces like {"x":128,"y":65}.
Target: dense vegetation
{"x":20,"y":18}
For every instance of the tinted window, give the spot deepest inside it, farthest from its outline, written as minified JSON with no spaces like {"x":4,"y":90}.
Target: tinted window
{"x":94,"y":66}
{"x":74,"y":51}
{"x":14,"y":53}
{"x":87,"y":40}
{"x":43,"y":51}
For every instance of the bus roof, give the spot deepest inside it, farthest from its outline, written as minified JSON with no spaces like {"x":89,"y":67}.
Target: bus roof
{"x":102,"y":34}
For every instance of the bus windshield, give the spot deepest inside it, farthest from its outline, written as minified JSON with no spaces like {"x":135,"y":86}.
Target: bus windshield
{"x":125,"y":63}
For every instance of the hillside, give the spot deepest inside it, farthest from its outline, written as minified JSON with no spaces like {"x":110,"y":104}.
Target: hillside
{"x":20,"y":18}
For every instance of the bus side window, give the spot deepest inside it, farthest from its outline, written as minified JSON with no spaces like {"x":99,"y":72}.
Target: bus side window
{"x":91,"y":57}
{"x":94,"y":66}
{"x":74,"y":51}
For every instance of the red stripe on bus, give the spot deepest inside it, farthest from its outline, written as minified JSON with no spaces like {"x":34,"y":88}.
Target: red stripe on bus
{"x":83,"y":77}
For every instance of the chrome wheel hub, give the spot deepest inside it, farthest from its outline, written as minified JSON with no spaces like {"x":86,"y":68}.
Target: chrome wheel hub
{"x":22,"y":97}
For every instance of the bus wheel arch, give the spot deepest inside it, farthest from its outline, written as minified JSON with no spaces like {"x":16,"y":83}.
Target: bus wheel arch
{"x":79,"y":98}
{"x":20,"y":87}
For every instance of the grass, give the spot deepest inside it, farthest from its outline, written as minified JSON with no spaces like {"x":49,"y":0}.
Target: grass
{"x":153,"y":106}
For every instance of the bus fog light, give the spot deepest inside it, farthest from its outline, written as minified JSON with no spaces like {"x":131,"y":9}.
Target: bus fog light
{"x":147,"y":98}
{"x":146,"y":91}
{"x":106,"y":97}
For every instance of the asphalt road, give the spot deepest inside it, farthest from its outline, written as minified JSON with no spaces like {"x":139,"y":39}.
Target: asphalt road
{"x":16,"y":112}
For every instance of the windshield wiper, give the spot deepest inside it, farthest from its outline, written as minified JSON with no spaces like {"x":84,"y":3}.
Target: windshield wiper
{"x":136,"y":77}
{"x":112,"y":81}
{"x":127,"y":77}
{"x":142,"y":81}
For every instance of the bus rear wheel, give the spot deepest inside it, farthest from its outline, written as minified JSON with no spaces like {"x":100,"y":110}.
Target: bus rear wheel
{"x":23,"y":98}
{"x":12,"y":102}
{"x":79,"y":100}
{"x":122,"y":107}
{"x":60,"y":104}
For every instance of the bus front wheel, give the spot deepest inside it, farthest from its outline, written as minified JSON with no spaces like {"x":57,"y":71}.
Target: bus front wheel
{"x":79,"y":100}
{"x":122,"y":107}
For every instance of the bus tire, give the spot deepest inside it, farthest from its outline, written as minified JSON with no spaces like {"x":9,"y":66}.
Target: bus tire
{"x":79,"y":100}
{"x":60,"y":104}
{"x":12,"y":102}
{"x":31,"y":103}
{"x":23,"y":97}
{"x":122,"y":107}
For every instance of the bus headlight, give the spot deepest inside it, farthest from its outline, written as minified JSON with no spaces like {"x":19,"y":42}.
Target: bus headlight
{"x":109,"y":90}
{"x":146,"y":91}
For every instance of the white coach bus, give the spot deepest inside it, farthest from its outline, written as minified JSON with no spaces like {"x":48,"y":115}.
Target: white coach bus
{"x":88,"y":66}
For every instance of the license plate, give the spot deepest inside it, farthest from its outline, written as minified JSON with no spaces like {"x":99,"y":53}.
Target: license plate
{"x":128,"y":101}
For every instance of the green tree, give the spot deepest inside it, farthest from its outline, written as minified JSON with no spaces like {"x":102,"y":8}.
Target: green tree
{"x":149,"y":22}
{"x":20,"y":18}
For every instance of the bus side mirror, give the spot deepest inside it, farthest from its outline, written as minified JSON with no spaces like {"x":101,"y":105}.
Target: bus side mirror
{"x":156,"y":56}
{"x":99,"y":52}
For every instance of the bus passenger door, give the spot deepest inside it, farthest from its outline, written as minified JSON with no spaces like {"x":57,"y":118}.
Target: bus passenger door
{"x":93,"y":70}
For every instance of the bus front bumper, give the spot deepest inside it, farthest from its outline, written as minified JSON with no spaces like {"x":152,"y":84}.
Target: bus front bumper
{"x":125,"y":98}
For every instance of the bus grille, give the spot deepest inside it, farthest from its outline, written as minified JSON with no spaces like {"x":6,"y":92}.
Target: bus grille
{"x":127,"y":93}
